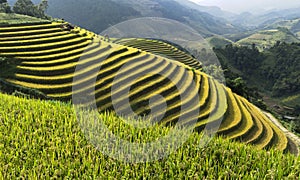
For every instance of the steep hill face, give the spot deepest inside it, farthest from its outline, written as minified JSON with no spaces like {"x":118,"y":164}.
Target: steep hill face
{"x":45,"y":57}
{"x":89,"y":14}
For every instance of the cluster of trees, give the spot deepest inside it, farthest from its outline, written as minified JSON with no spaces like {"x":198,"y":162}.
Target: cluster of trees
{"x":243,"y":58}
{"x":284,"y":72}
{"x":275,"y":69}
{"x":26,"y":7}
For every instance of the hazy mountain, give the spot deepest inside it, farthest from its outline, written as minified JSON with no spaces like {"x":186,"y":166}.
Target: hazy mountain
{"x":94,"y":15}
{"x":259,"y":21}
{"x":213,"y":10}
{"x":253,"y":6}
{"x":97,"y":15}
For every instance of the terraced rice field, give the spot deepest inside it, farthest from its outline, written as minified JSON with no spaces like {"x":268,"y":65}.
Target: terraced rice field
{"x":163,"y":49}
{"x":47,"y":57}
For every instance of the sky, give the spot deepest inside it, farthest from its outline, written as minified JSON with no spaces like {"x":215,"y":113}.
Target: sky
{"x":238,"y":6}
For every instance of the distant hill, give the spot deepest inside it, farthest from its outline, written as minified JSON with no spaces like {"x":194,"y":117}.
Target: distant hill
{"x":213,"y":10}
{"x":292,"y":25}
{"x":267,"y":38}
{"x":259,"y":21}
{"x":99,"y":15}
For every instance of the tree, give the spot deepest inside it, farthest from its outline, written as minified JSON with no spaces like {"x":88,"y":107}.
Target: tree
{"x":4,"y":7}
{"x":43,"y":6}
{"x":27,"y":7}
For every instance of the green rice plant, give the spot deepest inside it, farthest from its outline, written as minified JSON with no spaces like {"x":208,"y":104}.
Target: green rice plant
{"x":162,"y":48}
{"x":67,"y":87}
{"x":130,"y":71}
{"x":257,"y":132}
{"x":204,"y":92}
{"x":267,"y":135}
{"x":213,"y":101}
{"x":218,"y":113}
{"x":101,"y":83}
{"x":30,"y":27}
{"x":233,"y":115}
{"x":43,"y":46}
{"x":63,"y":57}
{"x":47,"y":51}
{"x":28,"y":33}
{"x":280,"y":141}
{"x":65,"y":37}
{"x":246,"y":125}
{"x":148,"y":91}
{"x":39,"y":36}
{"x":179,"y":100}
{"x":84,"y":60}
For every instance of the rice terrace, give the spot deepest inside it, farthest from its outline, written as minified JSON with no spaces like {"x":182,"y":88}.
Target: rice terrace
{"x":41,"y":137}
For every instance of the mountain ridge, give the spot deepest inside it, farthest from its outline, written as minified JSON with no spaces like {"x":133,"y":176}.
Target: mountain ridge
{"x":81,"y":13}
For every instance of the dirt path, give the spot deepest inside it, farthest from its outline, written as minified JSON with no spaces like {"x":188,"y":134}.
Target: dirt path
{"x":289,"y":134}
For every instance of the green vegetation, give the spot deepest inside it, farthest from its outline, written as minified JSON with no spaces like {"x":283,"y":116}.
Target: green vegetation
{"x":4,"y":7}
{"x":11,"y":18}
{"x":42,"y":139}
{"x":274,"y":70}
{"x":27,"y":7}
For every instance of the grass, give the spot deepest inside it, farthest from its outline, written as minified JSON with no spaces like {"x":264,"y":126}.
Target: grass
{"x":42,"y":139}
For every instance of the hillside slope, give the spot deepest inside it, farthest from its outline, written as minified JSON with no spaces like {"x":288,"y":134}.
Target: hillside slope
{"x":265,"y":39}
{"x":44,"y":57}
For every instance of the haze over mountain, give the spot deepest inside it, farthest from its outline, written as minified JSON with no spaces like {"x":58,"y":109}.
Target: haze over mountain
{"x":254,"y":6}
{"x":98,"y":15}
